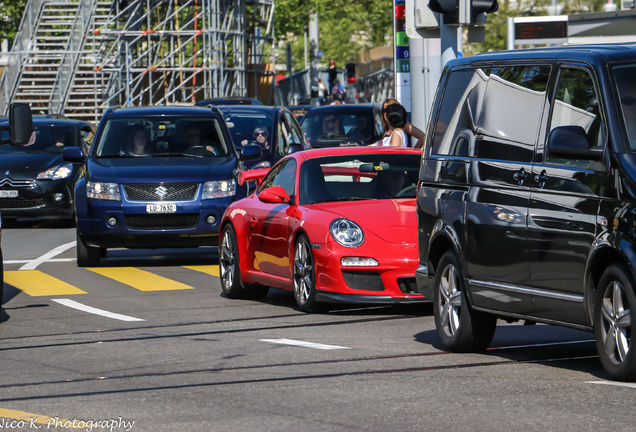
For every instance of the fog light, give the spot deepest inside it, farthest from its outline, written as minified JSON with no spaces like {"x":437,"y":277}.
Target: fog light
{"x":112,"y":221}
{"x":58,"y":197}
{"x":358,"y":262}
{"x":211,"y":219}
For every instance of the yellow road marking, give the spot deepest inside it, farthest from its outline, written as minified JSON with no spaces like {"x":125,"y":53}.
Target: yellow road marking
{"x":36,"y":283}
{"x":207,"y":269}
{"x":29,"y":418}
{"x":140,"y":279}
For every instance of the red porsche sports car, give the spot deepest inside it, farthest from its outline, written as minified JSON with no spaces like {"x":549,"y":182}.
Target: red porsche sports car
{"x":331,"y":225}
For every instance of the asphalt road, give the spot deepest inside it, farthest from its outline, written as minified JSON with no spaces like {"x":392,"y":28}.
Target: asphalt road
{"x":148,"y":343}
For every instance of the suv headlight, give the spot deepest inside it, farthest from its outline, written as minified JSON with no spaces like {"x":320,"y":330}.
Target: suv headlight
{"x":57,"y":173}
{"x":346,"y":232}
{"x":218,"y":189}
{"x":104,"y":191}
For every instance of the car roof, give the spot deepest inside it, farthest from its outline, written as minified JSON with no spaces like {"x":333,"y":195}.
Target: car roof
{"x":252,"y":108}
{"x":345,"y":107}
{"x":155,"y":111}
{"x":229,"y":100}
{"x":352,"y":150}
{"x":55,"y":122}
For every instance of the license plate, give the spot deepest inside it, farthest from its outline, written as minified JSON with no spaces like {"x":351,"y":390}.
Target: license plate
{"x":8,"y":193}
{"x":161,"y":208}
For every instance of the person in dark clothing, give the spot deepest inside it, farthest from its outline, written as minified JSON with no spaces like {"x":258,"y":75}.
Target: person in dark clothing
{"x":332,"y":70}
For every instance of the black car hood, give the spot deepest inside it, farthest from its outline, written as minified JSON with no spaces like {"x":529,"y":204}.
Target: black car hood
{"x":163,"y":169}
{"x":27,"y":165}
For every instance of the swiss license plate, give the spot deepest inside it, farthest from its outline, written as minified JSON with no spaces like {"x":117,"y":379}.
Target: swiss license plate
{"x":8,"y":193}
{"x":161,"y":208}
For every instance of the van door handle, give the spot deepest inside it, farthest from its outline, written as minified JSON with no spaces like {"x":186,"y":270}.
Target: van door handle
{"x":520,"y":176}
{"x":541,"y":178}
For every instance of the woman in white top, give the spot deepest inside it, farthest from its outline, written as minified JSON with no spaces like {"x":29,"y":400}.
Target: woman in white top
{"x":395,"y":117}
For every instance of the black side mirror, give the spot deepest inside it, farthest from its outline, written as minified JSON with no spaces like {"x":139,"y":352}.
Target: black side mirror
{"x":73,"y":154}
{"x":250,"y":152}
{"x":20,"y":124}
{"x":293,"y":148}
{"x":570,"y":142}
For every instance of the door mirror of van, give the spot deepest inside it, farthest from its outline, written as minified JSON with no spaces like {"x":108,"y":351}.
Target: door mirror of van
{"x":20,"y":125}
{"x":250,"y":152}
{"x":73,"y":154}
{"x":570,"y":142}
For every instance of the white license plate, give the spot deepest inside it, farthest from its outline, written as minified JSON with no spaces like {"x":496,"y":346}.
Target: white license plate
{"x":8,"y":193}
{"x":161,"y":208}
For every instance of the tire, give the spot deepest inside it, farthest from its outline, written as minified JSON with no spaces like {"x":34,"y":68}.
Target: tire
{"x":614,"y":311}
{"x":304,"y":275}
{"x":87,"y":256}
{"x":230,"y":269}
{"x":460,"y":328}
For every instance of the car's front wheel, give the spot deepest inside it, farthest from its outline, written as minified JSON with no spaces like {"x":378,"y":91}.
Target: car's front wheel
{"x":87,"y":256}
{"x":304,"y":275}
{"x":614,"y":310}
{"x":230,"y":269}
{"x":460,"y":328}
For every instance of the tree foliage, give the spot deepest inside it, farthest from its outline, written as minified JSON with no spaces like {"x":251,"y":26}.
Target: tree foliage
{"x":11,"y":12}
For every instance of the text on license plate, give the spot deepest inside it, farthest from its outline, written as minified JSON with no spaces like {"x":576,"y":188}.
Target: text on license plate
{"x":8,"y":193}
{"x":161,"y":208}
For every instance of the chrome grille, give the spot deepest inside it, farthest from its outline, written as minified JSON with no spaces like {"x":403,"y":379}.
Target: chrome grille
{"x":9,"y":182}
{"x":161,"y":191}
{"x":162,"y":221}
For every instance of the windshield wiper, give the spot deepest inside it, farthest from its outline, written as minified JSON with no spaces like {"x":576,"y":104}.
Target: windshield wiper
{"x":113,"y":156}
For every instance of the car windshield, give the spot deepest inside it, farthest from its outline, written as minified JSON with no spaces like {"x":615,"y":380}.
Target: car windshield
{"x":626,"y":87}
{"x":331,"y":127}
{"x":46,"y":139}
{"x":358,"y":177}
{"x":249,"y":126}
{"x":162,"y":137}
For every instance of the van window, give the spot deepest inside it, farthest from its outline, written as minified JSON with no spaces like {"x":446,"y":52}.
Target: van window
{"x":510,"y":116}
{"x":626,"y":87}
{"x":576,"y":104}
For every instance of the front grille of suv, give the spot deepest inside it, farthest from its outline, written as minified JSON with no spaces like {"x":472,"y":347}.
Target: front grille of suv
{"x":162,"y":221}
{"x":161,"y":191}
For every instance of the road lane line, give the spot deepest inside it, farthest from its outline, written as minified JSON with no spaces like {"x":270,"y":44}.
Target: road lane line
{"x":140,"y":279}
{"x":35,"y":283}
{"x":29,"y":418}
{"x":617,"y":384}
{"x":303,"y":344}
{"x":49,"y":260}
{"x":207,"y":269}
{"x":31,"y":265}
{"x":79,"y":306}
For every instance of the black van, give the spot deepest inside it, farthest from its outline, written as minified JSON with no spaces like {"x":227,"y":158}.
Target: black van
{"x":527,"y":197}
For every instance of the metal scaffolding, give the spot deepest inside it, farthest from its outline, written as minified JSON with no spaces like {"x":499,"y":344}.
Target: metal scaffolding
{"x":78,"y":57}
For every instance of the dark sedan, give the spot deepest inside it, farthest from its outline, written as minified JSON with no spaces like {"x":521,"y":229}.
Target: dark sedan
{"x":34,"y":180}
{"x":275,"y":129}
{"x":341,"y":125}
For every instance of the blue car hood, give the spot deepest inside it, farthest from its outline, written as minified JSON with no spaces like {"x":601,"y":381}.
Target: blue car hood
{"x":27,"y":165}
{"x":164,"y":169}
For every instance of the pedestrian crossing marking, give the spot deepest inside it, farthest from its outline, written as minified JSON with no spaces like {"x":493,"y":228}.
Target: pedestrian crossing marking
{"x":140,"y":279}
{"x":207,"y":269}
{"x":35,"y":283}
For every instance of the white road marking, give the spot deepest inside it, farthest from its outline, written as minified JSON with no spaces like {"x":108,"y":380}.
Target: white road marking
{"x":303,"y":344}
{"x":31,"y":265}
{"x":79,"y":306}
{"x":51,"y":260}
{"x":617,"y":384}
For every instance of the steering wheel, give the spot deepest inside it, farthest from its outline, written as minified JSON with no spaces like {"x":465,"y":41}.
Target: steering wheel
{"x":406,"y":191}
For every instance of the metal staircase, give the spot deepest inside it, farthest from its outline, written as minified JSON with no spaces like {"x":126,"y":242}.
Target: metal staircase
{"x":78,"y":57}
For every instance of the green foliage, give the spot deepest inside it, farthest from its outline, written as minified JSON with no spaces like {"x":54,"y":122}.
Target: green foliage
{"x":10,"y":15}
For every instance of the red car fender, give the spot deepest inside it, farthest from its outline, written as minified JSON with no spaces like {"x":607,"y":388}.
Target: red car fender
{"x":240,"y":221}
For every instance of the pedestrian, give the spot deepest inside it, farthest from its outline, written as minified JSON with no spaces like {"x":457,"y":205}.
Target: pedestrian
{"x":395,"y":117}
{"x":408,"y":128}
{"x":350,"y":69}
{"x":337,"y":88}
{"x":322,"y":92}
{"x":332,"y":70}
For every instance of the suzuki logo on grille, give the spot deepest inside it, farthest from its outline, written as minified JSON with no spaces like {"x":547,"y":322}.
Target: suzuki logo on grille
{"x":7,"y":173}
{"x":161,"y":191}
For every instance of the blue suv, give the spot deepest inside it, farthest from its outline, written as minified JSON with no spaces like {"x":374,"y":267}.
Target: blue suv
{"x":155,"y":177}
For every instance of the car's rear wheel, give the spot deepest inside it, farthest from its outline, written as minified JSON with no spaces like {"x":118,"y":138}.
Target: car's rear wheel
{"x":460,"y":328}
{"x":87,"y":256}
{"x":614,"y":311}
{"x":304,"y":275}
{"x":230,"y":269}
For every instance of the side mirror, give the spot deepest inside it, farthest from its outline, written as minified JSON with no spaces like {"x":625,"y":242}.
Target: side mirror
{"x":570,"y":142}
{"x":73,"y":154}
{"x":250,"y":152}
{"x":274,"y":195}
{"x":293,"y":148}
{"x":20,"y":124}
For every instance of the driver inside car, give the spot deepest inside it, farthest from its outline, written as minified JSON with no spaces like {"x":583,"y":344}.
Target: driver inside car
{"x":192,"y":135}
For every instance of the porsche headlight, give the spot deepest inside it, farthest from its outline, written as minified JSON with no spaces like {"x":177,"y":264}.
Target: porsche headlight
{"x":219,"y":189}
{"x":56,"y":173}
{"x":104,"y":191}
{"x":346,"y":232}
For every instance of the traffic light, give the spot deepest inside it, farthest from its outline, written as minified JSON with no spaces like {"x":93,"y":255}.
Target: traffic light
{"x":463,"y":12}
